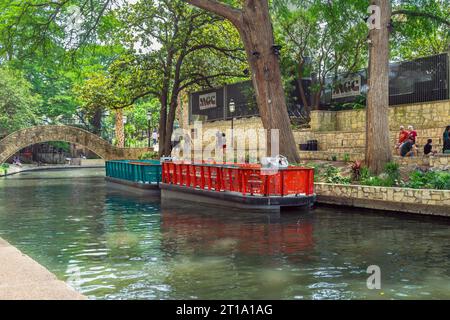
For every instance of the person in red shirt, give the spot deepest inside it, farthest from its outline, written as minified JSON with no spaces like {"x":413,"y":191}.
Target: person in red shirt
{"x":403,"y":136}
{"x":412,"y":134}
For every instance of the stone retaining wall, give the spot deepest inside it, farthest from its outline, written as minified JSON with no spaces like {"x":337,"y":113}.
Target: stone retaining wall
{"x":441,"y":162}
{"x":426,"y":202}
{"x":420,"y":115}
{"x":339,"y":141}
{"x":344,"y":131}
{"x":328,"y":156}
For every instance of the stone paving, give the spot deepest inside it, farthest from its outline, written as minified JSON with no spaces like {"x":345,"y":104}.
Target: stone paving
{"x":22,"y":278}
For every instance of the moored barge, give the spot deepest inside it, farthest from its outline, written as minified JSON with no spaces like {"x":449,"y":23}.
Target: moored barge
{"x":239,"y":186}
{"x":140,"y":174}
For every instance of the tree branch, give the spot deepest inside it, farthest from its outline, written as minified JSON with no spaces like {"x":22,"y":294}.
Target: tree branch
{"x":232,"y":14}
{"x":422,"y":15}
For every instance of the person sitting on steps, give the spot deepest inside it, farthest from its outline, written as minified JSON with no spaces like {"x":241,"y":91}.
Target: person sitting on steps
{"x":408,"y":149}
{"x":403,"y":136}
{"x":428,"y":149}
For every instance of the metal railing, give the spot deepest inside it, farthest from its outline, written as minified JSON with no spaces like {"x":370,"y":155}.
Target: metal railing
{"x":142,"y":171}
{"x":243,"y":179}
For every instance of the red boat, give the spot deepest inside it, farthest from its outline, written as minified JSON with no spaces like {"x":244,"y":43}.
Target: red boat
{"x":240,"y":186}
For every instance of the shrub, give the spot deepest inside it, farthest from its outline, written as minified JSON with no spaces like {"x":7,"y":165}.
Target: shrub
{"x":346,"y":157}
{"x":392,"y":169}
{"x":333,"y":158}
{"x":333,"y":175}
{"x":439,"y":180}
{"x":317,"y":168}
{"x":378,"y":181}
{"x":150,"y":155}
{"x":357,"y":170}
{"x":4,"y":167}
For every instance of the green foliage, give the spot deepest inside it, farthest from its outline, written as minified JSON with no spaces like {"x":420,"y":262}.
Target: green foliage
{"x":151,"y":155}
{"x":346,"y":157}
{"x":332,"y":174}
{"x":317,"y":169}
{"x":4,"y":167}
{"x":416,"y":36}
{"x":18,"y":104}
{"x":365,"y":173}
{"x":65,"y":146}
{"x":321,"y":38}
{"x":439,"y":180}
{"x":392,"y":170}
{"x":377,"y":181}
{"x":390,"y":177}
{"x":334,"y":157}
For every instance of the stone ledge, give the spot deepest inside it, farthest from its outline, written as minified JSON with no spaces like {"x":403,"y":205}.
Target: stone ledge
{"x":418,"y":201}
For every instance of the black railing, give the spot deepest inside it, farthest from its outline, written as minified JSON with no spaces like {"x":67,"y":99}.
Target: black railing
{"x":421,"y":80}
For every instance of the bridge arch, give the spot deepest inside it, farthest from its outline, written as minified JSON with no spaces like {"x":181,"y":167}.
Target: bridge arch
{"x":18,"y":140}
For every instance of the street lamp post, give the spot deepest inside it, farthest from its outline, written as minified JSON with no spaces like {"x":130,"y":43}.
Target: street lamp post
{"x":149,"y":119}
{"x":232,"y":108}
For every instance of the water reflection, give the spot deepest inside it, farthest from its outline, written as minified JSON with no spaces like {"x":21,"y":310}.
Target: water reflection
{"x":191,"y":229}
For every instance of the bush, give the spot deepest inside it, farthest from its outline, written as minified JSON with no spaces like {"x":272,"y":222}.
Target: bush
{"x":392,"y":169}
{"x":333,"y":175}
{"x":317,"y":168}
{"x":4,"y":167}
{"x":378,"y":181}
{"x":357,"y":170}
{"x":150,"y":155}
{"x":390,"y":177}
{"x":439,"y":180}
{"x":346,"y":157}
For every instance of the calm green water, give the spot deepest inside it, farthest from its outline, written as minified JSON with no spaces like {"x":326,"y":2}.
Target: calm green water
{"x":115,"y":245}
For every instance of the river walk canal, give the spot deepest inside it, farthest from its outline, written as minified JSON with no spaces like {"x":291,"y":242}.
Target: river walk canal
{"x":111,"y":244}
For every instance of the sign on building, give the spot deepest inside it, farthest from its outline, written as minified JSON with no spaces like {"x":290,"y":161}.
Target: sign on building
{"x":208,"y":101}
{"x":348,"y":87}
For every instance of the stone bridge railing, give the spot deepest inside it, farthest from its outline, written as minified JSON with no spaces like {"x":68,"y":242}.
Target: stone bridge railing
{"x":23,"y":138}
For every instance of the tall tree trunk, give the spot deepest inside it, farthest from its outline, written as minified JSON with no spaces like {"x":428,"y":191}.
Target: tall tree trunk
{"x":255,"y":28}
{"x":120,"y":132}
{"x":257,"y":35}
{"x":378,"y":148}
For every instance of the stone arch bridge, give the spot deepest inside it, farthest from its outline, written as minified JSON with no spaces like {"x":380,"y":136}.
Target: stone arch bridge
{"x":18,"y":140}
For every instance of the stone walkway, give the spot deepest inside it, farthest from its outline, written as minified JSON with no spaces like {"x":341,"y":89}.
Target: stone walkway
{"x":12,"y":170}
{"x":22,"y":278}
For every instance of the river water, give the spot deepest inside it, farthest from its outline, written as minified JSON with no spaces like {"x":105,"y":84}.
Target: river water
{"x":112,"y":244}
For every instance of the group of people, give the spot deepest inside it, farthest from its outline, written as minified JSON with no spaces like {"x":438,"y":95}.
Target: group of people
{"x":407,"y":147}
{"x":16,"y":161}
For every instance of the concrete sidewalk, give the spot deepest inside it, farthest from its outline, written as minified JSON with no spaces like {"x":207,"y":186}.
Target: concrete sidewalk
{"x":22,"y":278}
{"x":29,"y":168}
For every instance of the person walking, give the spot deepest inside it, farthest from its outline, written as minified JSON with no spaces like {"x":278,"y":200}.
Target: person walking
{"x":155,"y":137}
